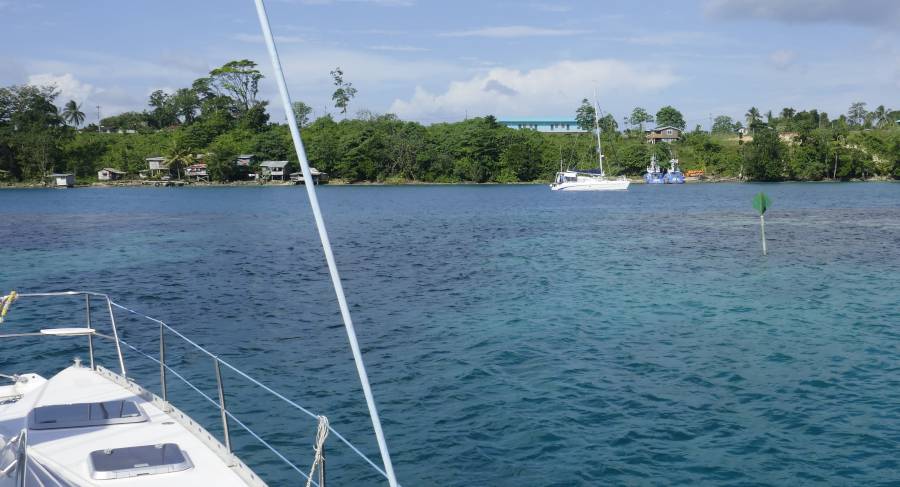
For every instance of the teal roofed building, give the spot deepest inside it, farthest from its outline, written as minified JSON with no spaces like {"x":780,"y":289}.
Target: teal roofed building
{"x":559,"y":125}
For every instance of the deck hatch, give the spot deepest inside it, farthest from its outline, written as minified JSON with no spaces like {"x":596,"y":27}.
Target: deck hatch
{"x":120,"y":463}
{"x":85,"y":414}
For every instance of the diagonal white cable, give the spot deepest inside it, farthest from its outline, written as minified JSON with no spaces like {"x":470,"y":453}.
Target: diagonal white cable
{"x":326,"y":244}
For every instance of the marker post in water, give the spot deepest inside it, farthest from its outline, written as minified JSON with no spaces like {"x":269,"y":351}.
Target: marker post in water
{"x":762,"y":203}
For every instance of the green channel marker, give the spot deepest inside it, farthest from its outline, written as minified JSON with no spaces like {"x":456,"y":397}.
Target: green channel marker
{"x":762,"y":203}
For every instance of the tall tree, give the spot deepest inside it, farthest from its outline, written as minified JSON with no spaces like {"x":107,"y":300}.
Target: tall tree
{"x":608,"y":124}
{"x":669,"y":116}
{"x":763,"y":156}
{"x":72,"y":113}
{"x":239,"y":80}
{"x":186,"y":104}
{"x":639,"y":116}
{"x":31,"y":130}
{"x":301,"y":113}
{"x":584,"y":115}
{"x":344,"y":91}
{"x":163,"y":113}
{"x":857,"y":113}
{"x":723,"y":124}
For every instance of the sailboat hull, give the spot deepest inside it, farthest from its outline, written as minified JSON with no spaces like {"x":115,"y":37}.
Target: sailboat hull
{"x":592,"y":185}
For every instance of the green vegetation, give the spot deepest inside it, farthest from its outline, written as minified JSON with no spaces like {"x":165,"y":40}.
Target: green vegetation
{"x":219,"y":117}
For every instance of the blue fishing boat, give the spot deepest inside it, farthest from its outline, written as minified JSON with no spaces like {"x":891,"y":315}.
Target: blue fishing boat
{"x":674,"y":174}
{"x":654,"y":174}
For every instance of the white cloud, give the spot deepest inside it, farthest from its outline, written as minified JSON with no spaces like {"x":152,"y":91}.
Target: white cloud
{"x":92,"y":65}
{"x":258,"y":38}
{"x":398,"y":48}
{"x":552,"y":7}
{"x":313,"y":65}
{"x":663,"y":39}
{"x":387,"y":3}
{"x":783,"y":58}
{"x":69,"y":87}
{"x":510,"y":31}
{"x":384,"y":3}
{"x":866,"y":12}
{"x":539,"y":92}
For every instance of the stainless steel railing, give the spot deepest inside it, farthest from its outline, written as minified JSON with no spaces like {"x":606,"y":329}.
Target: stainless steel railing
{"x":88,"y":322}
{"x":227,"y":417}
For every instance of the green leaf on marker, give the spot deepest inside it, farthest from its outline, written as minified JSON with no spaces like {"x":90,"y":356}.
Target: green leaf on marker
{"x":762,"y":203}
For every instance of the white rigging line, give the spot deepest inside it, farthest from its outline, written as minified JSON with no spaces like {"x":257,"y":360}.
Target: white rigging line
{"x":597,"y":125}
{"x":326,"y":244}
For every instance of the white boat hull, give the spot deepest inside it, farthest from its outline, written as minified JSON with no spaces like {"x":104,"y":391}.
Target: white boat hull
{"x":594,"y":185}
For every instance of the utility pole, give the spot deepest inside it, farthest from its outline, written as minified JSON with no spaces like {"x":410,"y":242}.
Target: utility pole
{"x":98,"y":118}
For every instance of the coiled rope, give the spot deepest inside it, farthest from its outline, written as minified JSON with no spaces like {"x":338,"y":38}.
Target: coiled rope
{"x":319,"y":460}
{"x":6,"y":302}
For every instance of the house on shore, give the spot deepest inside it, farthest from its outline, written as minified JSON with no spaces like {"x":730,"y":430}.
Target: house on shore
{"x":318,"y":177}
{"x":551,"y":125}
{"x":65,"y":180}
{"x":244,"y":160}
{"x":157,"y":167}
{"x":273,"y":170}
{"x":665,"y":134}
{"x":197,"y":172}
{"x":243,"y":164}
{"x":110,"y":174}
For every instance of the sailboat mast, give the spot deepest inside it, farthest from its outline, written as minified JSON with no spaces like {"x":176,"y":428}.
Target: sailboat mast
{"x":597,"y":127}
{"x":326,"y":243}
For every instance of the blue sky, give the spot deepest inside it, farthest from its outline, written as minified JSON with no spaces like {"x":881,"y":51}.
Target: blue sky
{"x":438,"y":60}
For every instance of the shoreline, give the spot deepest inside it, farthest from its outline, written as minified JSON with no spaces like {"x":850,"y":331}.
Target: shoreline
{"x":338,"y":182}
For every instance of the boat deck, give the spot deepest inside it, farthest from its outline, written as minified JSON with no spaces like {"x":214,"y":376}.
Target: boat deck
{"x":65,"y":451}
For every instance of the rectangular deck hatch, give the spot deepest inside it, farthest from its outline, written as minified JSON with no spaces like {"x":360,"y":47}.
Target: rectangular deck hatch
{"x":85,"y":414}
{"x":120,"y":463}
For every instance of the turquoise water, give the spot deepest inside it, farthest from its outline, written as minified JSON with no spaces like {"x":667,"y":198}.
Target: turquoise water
{"x":513,"y":336}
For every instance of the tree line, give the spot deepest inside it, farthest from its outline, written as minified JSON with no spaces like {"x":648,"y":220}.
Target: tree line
{"x":220,"y":116}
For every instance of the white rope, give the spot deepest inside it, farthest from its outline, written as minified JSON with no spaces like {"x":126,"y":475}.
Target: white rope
{"x":319,"y":460}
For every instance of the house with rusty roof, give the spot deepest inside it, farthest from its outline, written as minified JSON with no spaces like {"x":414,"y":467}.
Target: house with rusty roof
{"x":663,"y":134}
{"x":110,"y":174}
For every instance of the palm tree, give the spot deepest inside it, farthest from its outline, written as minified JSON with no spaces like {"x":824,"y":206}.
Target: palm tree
{"x":753,"y":117}
{"x":72,"y":113}
{"x":881,"y":116}
{"x":179,"y":157}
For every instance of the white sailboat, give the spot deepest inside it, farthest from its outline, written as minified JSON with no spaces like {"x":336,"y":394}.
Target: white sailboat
{"x":89,"y":425}
{"x":590,"y":180}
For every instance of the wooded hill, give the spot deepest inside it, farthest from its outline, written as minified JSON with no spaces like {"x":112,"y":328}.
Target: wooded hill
{"x":219,"y":117}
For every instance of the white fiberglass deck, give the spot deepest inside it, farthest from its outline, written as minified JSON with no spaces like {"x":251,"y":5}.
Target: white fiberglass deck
{"x":65,"y":451}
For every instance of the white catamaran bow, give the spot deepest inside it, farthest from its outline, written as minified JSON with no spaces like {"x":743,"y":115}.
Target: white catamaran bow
{"x":89,"y":426}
